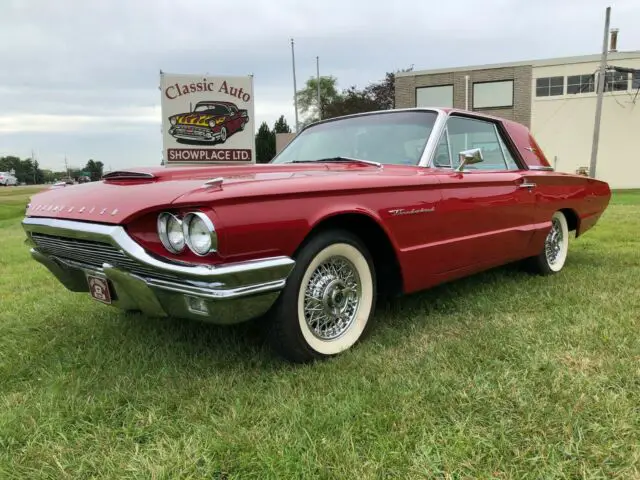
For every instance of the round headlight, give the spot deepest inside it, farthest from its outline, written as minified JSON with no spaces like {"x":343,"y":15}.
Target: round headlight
{"x":212,"y":123}
{"x":199,"y":233}
{"x":173,"y":121}
{"x":170,"y":232}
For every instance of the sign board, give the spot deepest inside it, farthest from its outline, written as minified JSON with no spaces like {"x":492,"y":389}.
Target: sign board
{"x":207,"y":119}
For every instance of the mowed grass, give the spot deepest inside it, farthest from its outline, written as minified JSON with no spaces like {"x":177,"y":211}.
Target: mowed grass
{"x":501,"y":375}
{"x":14,"y":199}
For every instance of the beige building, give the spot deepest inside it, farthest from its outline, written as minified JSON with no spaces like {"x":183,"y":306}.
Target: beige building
{"x":556,"y":99}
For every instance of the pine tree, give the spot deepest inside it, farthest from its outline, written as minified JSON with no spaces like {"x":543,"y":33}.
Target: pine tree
{"x":281,"y":126}
{"x":265,"y":144}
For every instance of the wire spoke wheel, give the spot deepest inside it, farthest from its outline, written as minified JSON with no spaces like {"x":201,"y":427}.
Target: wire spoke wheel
{"x":554,"y":242}
{"x":332,"y":298}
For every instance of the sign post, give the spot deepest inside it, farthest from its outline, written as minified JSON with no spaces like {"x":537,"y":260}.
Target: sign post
{"x":207,"y":120}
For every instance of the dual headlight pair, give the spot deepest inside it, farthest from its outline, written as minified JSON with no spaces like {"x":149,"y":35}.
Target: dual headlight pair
{"x":195,"y":230}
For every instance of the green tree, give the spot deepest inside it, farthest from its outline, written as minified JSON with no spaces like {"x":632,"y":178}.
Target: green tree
{"x":308,"y":97}
{"x":351,"y":101}
{"x":375,"y":96}
{"x":47,"y":176}
{"x":384,"y":92}
{"x":281,"y":125}
{"x":38,"y":174}
{"x":265,"y":144}
{"x":95,"y":169}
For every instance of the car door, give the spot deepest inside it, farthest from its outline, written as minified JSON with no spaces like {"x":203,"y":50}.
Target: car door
{"x":488,"y":207}
{"x":234,"y":118}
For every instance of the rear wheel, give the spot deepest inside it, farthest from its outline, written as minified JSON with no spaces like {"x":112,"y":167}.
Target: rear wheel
{"x":556,"y":247}
{"x":328,"y":301}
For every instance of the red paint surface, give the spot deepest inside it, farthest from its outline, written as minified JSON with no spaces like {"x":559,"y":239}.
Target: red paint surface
{"x":479,"y":218}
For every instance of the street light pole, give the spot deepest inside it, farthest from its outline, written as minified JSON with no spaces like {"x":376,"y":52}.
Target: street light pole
{"x":295,"y":88}
{"x":318,"y":82}
{"x":601,"y":82}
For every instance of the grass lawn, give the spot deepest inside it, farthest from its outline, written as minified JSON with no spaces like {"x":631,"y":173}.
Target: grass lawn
{"x":501,"y":375}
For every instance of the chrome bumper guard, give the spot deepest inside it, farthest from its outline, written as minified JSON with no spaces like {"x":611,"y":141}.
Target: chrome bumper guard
{"x":225,"y":294}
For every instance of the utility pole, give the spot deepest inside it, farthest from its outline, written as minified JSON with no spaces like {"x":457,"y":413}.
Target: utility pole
{"x":601,"y":82}
{"x":33,"y":160}
{"x":318,"y":82}
{"x":295,"y":88}
{"x":66,"y":166}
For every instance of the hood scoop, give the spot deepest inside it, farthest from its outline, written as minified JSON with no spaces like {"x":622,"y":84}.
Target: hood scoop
{"x":128,"y":175}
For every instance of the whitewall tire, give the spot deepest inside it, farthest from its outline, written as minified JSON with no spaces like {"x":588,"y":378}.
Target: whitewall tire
{"x":328,"y":301}
{"x":556,"y":247}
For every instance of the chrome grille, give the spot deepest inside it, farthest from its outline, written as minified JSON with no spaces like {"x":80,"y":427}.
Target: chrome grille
{"x":93,"y":254}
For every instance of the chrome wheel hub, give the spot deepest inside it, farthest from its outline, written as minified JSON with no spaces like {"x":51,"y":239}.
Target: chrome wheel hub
{"x":553,"y":243}
{"x":331,"y":298}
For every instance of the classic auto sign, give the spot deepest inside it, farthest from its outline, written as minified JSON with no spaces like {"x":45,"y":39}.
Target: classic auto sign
{"x":207,"y":119}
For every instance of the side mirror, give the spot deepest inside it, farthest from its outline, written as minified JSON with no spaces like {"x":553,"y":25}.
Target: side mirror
{"x":469,"y":157}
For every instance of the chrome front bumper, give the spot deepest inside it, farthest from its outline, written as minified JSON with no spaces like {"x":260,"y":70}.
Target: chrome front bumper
{"x":226,"y":294}
{"x":198,"y":133}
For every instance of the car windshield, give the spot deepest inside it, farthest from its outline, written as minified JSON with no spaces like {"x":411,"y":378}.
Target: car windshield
{"x":212,"y":109}
{"x":392,"y":138}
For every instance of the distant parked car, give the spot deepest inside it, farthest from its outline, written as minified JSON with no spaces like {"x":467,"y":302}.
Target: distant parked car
{"x":62,"y":183}
{"x":7,"y":179}
{"x":84,"y":179}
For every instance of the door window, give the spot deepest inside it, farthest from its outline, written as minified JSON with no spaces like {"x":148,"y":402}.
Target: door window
{"x":443,"y":156}
{"x":468,"y":133}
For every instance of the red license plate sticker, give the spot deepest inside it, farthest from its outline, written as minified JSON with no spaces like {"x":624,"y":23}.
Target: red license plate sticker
{"x":99,"y":289}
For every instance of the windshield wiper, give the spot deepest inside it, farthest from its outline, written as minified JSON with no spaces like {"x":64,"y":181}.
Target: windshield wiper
{"x":341,"y":159}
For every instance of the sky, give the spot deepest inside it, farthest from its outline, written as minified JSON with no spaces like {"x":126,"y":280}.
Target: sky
{"x":79,"y":79}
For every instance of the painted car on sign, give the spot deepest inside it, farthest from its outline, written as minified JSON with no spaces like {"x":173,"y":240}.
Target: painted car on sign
{"x":354,"y":208}
{"x":210,"y":121}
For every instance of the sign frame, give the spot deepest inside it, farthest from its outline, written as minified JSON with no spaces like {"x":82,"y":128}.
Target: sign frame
{"x":207,"y":119}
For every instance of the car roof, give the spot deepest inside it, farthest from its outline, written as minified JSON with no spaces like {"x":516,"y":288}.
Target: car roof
{"x":218,"y":102}
{"x":446,"y":110}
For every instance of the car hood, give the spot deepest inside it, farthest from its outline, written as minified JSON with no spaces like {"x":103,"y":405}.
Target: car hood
{"x":124,"y":195}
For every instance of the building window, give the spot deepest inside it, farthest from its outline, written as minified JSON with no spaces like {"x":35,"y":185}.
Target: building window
{"x":635,"y":83}
{"x":437,"y":96}
{"x":493,"y":94}
{"x":549,"y":86}
{"x":580,"y":84}
{"x":616,"y":82}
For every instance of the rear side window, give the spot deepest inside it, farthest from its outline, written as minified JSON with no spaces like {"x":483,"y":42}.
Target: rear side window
{"x":468,"y":133}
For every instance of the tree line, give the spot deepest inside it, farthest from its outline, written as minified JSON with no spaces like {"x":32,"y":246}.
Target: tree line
{"x":28,"y":170}
{"x":333,"y":103}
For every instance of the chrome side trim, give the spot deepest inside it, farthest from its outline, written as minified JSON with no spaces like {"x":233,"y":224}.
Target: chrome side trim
{"x":542,"y":168}
{"x":231,"y":275}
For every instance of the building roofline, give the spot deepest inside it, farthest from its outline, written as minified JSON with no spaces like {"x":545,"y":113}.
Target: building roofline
{"x":534,"y":63}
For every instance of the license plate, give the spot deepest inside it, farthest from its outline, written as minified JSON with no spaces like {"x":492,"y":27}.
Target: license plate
{"x":99,"y":289}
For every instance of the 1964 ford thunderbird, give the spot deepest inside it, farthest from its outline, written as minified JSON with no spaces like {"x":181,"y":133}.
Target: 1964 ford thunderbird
{"x":353,"y":208}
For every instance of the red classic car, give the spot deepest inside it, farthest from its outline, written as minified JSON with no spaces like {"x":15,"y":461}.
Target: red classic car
{"x":212,"y":121}
{"x":353,"y":208}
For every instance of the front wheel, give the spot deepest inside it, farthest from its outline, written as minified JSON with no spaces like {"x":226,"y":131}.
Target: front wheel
{"x":556,"y":247}
{"x":328,"y":301}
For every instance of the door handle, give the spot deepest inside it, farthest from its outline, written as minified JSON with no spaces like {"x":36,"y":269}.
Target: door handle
{"x":528,"y":185}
